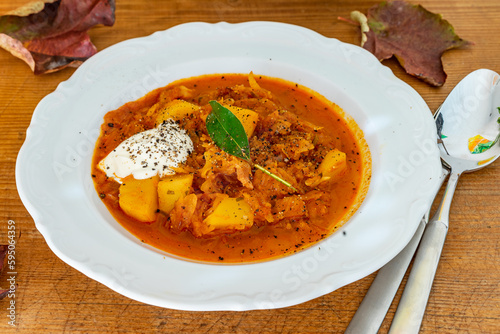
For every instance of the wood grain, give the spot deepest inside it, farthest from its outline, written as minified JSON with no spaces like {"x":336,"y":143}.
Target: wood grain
{"x":52,"y":297}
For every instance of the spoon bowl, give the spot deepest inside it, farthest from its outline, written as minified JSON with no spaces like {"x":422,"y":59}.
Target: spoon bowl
{"x":470,"y":112}
{"x":468,"y":130}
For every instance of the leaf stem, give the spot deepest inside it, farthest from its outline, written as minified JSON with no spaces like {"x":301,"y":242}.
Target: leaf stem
{"x":355,"y":23}
{"x":274,"y":176}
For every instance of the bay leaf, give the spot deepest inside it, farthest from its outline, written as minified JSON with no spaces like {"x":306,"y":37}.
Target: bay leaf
{"x":227,"y":132}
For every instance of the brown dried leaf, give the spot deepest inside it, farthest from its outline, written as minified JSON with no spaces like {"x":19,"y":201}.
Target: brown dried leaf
{"x":415,"y":36}
{"x":4,"y":293}
{"x":3,"y":252}
{"x":52,"y":34}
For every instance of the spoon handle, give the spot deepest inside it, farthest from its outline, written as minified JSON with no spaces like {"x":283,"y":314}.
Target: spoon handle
{"x":377,"y":301}
{"x":411,"y":309}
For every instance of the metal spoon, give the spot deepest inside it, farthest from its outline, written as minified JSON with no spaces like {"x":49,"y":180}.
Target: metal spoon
{"x":378,"y":299}
{"x":469,"y":110}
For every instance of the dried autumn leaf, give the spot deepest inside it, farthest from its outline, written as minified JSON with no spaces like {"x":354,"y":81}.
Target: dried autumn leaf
{"x":3,"y":252}
{"x":415,"y":36}
{"x":4,"y":293}
{"x":52,"y":34}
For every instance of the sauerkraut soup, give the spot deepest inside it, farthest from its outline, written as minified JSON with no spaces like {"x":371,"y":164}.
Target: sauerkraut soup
{"x":165,"y":180}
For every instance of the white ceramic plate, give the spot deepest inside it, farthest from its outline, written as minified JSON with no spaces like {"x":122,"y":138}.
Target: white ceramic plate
{"x":54,"y":181}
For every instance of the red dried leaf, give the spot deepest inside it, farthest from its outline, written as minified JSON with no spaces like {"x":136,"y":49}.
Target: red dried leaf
{"x":4,"y":293}
{"x":52,"y":34}
{"x":3,"y":252}
{"x":415,"y":36}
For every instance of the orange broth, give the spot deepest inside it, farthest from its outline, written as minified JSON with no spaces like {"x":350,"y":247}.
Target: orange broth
{"x":259,"y":242}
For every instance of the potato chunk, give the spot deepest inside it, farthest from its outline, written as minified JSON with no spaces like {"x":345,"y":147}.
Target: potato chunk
{"x":333,"y":165}
{"x":139,"y":198}
{"x":230,"y":214}
{"x":247,"y":117}
{"x":332,"y":168}
{"x":176,"y":109}
{"x":171,"y":189}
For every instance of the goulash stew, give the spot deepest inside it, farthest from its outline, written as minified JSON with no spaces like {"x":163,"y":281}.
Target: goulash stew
{"x":165,"y":180}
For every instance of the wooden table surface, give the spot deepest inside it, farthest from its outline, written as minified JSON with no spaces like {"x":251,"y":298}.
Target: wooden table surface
{"x":52,"y":297}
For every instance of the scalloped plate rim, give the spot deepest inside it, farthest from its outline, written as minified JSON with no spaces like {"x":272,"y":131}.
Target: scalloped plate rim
{"x":227,"y":302}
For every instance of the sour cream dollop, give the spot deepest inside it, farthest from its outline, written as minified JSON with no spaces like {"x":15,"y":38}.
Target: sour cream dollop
{"x":149,"y":153}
